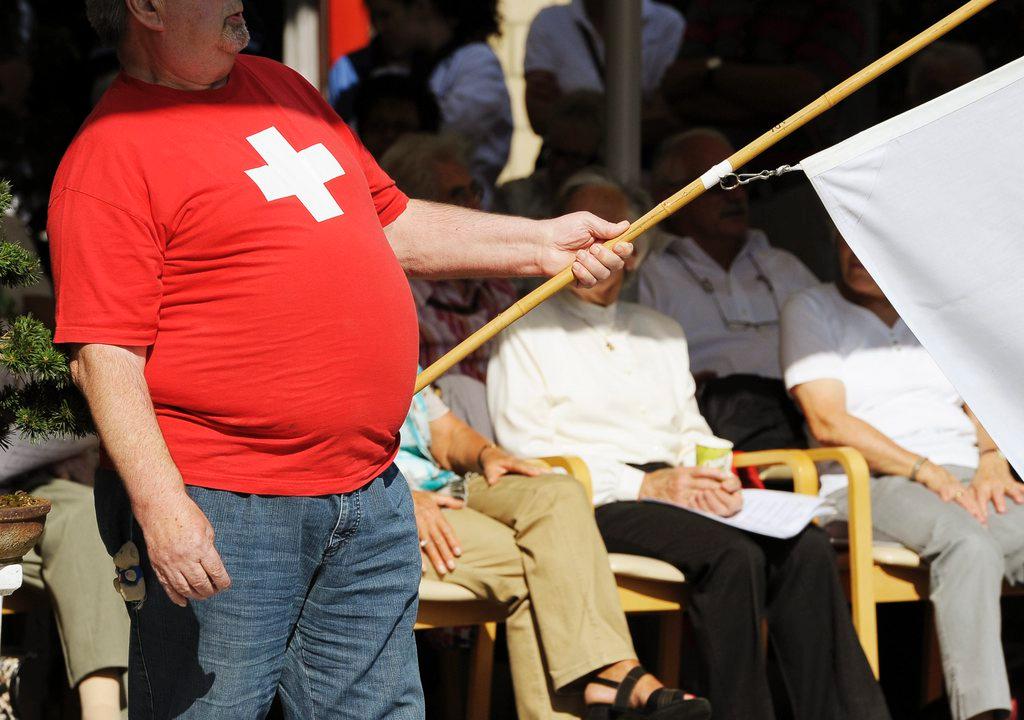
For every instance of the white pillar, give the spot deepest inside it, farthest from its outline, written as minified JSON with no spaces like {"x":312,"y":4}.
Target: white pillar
{"x":302,"y":39}
{"x":623,"y":92}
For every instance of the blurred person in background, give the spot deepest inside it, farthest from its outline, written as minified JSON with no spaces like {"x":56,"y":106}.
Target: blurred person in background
{"x":940,"y":486}
{"x":444,"y":43}
{"x":726,"y":285}
{"x":565,"y":52}
{"x":743,"y":67}
{"x":432,"y":167}
{"x":941,"y":67}
{"x":639,"y":442}
{"x":574,"y":140}
{"x":511,"y":532}
{"x":389,"y":106}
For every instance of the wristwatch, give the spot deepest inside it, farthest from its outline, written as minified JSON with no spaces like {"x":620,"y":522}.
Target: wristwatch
{"x":711,"y":66}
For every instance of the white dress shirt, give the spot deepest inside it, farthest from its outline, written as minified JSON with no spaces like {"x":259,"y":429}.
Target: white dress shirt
{"x":730,"y":317}
{"x":556,"y":43}
{"x":891,"y":381}
{"x":470,"y":88}
{"x":609,"y":384}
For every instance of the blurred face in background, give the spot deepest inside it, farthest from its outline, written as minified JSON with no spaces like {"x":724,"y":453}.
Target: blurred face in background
{"x":401,"y":25}
{"x":568,"y":148}
{"x":387,"y":120}
{"x":456,"y":186}
{"x":854,"y":276}
{"x":717,"y":214}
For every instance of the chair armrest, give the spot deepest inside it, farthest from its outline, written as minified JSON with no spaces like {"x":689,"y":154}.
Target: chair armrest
{"x":859,"y":492}
{"x":805,"y":475}
{"x":575,"y":467}
{"x":861,"y":538}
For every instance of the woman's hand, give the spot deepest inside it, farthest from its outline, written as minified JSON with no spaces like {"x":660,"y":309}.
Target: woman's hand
{"x":993,"y":482}
{"x":944,"y":484}
{"x":496,"y":463}
{"x":438,"y":542}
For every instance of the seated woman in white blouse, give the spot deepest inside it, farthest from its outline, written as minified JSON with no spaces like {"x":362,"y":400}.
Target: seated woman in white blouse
{"x":942,"y":488}
{"x":609,"y":381}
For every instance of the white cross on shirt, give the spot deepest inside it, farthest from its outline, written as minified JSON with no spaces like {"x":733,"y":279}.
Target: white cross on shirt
{"x":301,"y":174}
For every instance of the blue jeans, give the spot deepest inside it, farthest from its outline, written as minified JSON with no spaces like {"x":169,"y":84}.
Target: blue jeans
{"x":321,"y":609}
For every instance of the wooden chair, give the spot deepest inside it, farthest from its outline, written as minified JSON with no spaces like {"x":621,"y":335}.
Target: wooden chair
{"x":647,"y":585}
{"x":878,"y":573}
{"x":444,"y":605}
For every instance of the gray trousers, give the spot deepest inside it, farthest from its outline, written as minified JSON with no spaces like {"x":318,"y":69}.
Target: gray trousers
{"x":967,"y":564}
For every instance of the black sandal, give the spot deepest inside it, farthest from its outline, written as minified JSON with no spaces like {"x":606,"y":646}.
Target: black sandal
{"x":663,"y":704}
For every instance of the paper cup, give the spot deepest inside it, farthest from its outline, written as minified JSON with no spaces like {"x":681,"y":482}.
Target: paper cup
{"x":714,"y":453}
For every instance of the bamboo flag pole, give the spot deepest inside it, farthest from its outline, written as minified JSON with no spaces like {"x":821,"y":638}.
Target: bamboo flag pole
{"x":696,"y":188}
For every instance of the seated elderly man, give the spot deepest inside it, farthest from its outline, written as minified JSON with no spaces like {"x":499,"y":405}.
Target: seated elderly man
{"x":492,"y":523}
{"x":610,"y":381}
{"x":864,"y":380}
{"x":72,"y":566}
{"x":725,"y":284}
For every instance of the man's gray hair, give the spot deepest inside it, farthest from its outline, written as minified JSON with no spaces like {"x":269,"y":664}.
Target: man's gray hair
{"x":109,"y":18}
{"x":412,"y":161}
{"x":637,"y":203}
{"x":678,"y":146}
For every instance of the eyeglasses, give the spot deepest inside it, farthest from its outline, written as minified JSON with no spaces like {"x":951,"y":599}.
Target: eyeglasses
{"x":730,"y":324}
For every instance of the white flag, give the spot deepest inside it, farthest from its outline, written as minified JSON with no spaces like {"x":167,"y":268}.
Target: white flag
{"x":932,"y":203}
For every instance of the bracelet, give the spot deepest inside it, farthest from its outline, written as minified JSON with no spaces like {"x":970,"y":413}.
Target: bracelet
{"x":917,"y":468}
{"x":480,"y":455}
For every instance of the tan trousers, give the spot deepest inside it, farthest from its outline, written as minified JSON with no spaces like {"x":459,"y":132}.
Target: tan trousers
{"x":532,"y":544}
{"x":72,"y":565}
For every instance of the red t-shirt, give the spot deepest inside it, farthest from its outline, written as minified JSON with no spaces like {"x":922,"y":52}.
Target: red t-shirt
{"x":237,"y":233}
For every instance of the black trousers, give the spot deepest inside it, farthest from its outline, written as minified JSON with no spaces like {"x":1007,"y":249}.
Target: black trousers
{"x":736,"y":579}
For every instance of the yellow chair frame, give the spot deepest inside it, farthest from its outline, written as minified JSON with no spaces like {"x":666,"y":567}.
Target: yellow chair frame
{"x":872,"y":577}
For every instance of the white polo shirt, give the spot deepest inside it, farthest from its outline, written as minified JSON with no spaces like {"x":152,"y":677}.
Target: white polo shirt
{"x":891,"y":381}
{"x":730,"y":317}
{"x":557,"y":43}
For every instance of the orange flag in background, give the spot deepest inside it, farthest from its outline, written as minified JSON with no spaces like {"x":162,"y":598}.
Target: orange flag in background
{"x":348,"y":27}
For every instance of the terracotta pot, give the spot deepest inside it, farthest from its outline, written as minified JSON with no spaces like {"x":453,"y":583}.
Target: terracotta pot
{"x":20,"y":528}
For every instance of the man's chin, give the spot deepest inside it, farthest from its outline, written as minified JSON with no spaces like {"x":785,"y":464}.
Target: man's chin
{"x":236,"y":37}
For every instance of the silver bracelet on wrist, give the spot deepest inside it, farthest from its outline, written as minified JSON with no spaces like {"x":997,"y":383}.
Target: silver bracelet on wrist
{"x":917,"y":468}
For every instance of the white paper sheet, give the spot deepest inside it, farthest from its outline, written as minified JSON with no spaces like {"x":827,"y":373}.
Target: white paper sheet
{"x":773,"y":513}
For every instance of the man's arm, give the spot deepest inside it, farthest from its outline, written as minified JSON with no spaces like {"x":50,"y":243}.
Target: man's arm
{"x":438,"y":241}
{"x":824,"y":405}
{"x":179,"y":538}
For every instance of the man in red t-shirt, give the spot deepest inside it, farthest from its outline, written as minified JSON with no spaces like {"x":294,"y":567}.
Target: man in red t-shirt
{"x":228,"y":263}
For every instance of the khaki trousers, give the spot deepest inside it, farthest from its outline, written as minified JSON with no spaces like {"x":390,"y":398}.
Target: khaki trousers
{"x":72,"y":565}
{"x":532,"y":544}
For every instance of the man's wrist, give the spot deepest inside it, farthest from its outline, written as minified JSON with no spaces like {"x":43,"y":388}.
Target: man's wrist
{"x":147,"y":503}
{"x":542,"y":239}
